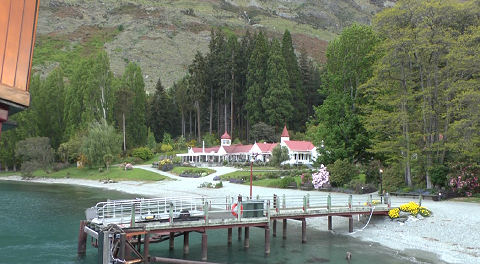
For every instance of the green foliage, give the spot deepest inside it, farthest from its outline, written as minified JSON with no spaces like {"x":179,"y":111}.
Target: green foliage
{"x":151,"y":143}
{"x":163,"y":113}
{"x":286,"y":181}
{"x":372,"y":171}
{"x":211,"y":140}
{"x":439,"y":175}
{"x":393,"y":178}
{"x":166,"y":148}
{"x":144,"y":153}
{"x":35,"y":153}
{"x":263,"y":132}
{"x":101,"y":139}
{"x":342,"y":172}
{"x":108,"y":159}
{"x":279,"y":155}
{"x":256,"y":79}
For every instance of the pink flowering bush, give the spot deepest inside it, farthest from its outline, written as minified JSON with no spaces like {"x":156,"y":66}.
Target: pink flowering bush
{"x":321,"y":178}
{"x":465,"y":181}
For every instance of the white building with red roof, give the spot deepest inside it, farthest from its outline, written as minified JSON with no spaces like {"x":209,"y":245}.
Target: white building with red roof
{"x":300,"y":152}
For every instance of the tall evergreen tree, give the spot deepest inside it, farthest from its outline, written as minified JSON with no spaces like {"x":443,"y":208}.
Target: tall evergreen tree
{"x":277,"y":102}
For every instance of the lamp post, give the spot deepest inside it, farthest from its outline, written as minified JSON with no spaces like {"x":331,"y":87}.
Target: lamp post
{"x":381,"y":185}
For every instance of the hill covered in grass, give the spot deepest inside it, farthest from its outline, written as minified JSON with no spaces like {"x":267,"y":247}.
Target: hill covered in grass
{"x":163,"y":36}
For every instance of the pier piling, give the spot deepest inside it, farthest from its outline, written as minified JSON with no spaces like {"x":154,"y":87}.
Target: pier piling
{"x":204,"y":246}
{"x":246,"y":243}
{"x":329,"y":223}
{"x":284,"y":235}
{"x":239,"y":233}
{"x":82,"y":239}
{"x":274,"y":228}
{"x":350,"y":224}
{"x":146,"y":248}
{"x":304,"y":230}
{"x":186,"y":246}
{"x":171,"y":241}
{"x":229,"y":237}
{"x":267,"y":240}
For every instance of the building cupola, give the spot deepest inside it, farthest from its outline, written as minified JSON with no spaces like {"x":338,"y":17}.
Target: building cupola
{"x":226,"y":140}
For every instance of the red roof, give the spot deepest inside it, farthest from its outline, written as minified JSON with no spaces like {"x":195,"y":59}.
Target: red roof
{"x":226,"y":135}
{"x":238,"y":148}
{"x":207,"y":150}
{"x":300,"y":145}
{"x":285,"y":132}
{"x":267,"y":147}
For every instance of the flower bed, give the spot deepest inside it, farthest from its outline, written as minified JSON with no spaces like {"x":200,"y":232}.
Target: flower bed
{"x":410,"y":208}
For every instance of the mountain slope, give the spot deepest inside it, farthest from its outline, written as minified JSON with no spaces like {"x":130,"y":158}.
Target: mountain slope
{"x":163,"y":36}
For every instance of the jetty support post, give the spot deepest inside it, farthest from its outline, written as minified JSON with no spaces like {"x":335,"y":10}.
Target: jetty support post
{"x":82,"y":239}
{"x":304,"y":230}
{"x":350,"y":224}
{"x":146,"y":248}
{"x":274,"y":228}
{"x":171,"y":244}
{"x":121,"y":251}
{"x":350,"y":197}
{"x":229,"y":237}
{"x":204,"y":245}
{"x":329,"y":202}
{"x":186,"y":246}
{"x":267,"y":240}
{"x":246,"y":242}
{"x":284,"y":234}
{"x":329,"y":223}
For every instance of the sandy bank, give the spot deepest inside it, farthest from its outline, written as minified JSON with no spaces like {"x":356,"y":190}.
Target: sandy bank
{"x":452,"y":233}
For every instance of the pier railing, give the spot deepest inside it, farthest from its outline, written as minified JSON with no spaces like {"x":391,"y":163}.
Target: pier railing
{"x":172,"y":210}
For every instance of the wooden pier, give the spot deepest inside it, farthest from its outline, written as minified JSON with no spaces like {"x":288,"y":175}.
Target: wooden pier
{"x":123,"y":230}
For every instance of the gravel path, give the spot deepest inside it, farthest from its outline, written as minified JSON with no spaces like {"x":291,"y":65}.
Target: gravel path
{"x":452,"y":234}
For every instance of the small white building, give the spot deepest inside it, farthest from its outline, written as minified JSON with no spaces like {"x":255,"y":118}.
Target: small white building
{"x":300,"y":152}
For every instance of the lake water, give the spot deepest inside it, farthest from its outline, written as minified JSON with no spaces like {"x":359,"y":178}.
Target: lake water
{"x":39,"y":224}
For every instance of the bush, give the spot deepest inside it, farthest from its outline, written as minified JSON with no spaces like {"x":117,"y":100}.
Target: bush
{"x":438,"y":174}
{"x":341,"y":172}
{"x":166,"y":148}
{"x":143,"y":153}
{"x":393,"y":178}
{"x":372,"y":171}
{"x":286,"y":181}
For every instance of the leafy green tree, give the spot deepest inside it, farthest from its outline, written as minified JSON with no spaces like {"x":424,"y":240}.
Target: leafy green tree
{"x":151,"y":142}
{"x":101,"y":139}
{"x":35,"y":153}
{"x":279,"y":155}
{"x":342,"y":172}
{"x":263,"y":132}
{"x":277,"y":103}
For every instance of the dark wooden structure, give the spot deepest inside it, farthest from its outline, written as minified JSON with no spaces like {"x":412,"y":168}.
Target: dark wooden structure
{"x":18,"y":22}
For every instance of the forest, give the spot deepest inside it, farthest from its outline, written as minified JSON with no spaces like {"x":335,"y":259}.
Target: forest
{"x":401,"y":95}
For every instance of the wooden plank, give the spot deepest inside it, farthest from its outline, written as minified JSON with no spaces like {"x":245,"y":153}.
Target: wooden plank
{"x":4,"y":17}
{"x":14,"y":95}
{"x":82,"y":239}
{"x":13,"y":40}
{"x":26,"y":44}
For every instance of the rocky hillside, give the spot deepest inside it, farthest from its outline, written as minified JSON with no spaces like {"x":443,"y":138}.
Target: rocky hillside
{"x":163,"y":35}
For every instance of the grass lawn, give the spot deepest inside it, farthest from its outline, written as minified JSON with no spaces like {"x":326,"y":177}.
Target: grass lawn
{"x":9,"y":173}
{"x":274,"y":183}
{"x":467,"y":199}
{"x":179,"y":170}
{"x":114,"y":173}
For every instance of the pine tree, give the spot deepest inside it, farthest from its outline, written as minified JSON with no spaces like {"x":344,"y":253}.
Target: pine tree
{"x":278,"y":98}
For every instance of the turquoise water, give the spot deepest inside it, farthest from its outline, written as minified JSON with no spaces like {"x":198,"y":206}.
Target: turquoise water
{"x":39,"y":224}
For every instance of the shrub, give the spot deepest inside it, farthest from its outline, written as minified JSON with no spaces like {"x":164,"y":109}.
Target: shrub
{"x":166,"y":148}
{"x":286,"y":181}
{"x":342,"y":172}
{"x":321,"y":178}
{"x":372,"y":171}
{"x":393,"y":178}
{"x":465,"y":179}
{"x":143,"y":153}
{"x":218,"y":185}
{"x":438,"y":174}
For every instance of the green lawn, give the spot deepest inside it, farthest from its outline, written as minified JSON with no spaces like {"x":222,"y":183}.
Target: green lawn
{"x":114,"y":173}
{"x":467,"y":199}
{"x":179,"y":170}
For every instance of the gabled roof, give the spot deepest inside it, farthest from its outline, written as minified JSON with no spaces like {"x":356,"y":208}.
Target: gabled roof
{"x":238,"y":148}
{"x":207,"y":150}
{"x":299,"y":145}
{"x":285,"y":132}
{"x":226,"y":135}
{"x":267,"y":147}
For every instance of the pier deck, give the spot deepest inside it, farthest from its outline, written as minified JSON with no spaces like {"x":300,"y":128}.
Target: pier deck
{"x":120,"y":228}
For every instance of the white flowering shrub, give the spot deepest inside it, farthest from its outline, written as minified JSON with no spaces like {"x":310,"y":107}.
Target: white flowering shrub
{"x":321,"y":178}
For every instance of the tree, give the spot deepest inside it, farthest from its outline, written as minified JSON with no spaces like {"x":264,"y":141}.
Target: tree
{"x":256,"y":79}
{"x":196,"y":87}
{"x":162,"y":112}
{"x":101,"y":139}
{"x":35,"y":153}
{"x":263,"y":132}
{"x":337,"y":120}
{"x":279,"y":155}
{"x":277,"y":103}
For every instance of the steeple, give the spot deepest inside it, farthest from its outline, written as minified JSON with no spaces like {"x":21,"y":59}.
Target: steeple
{"x":285,"y":136}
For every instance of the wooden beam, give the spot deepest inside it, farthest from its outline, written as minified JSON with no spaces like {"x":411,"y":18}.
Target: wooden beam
{"x":14,"y":95}
{"x":186,"y":246}
{"x":204,"y":246}
{"x":304,"y":230}
{"x":246,"y":242}
{"x":146,"y":248}
{"x":229,"y":237}
{"x":284,"y":235}
{"x":82,"y":240}
{"x":274,"y":228}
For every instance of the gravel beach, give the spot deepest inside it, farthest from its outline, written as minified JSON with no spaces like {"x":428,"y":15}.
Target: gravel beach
{"x":450,"y":235}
